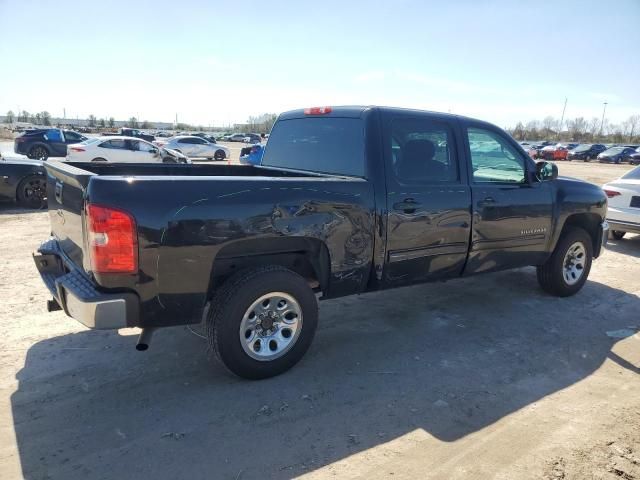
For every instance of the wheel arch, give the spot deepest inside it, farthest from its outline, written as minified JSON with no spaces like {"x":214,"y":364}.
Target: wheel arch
{"x":589,"y":222}
{"x":307,"y":256}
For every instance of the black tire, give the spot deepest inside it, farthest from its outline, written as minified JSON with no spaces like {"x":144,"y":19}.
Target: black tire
{"x":551,"y":273}
{"x":99,"y":159}
{"x":587,"y":158}
{"x":617,"y":234}
{"x":32,"y":191}
{"x":38,"y":152}
{"x":169,"y":160}
{"x":233,"y":299}
{"x":219,"y":155}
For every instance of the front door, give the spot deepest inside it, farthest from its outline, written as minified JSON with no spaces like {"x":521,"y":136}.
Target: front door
{"x":512,"y":211}
{"x":428,"y":200}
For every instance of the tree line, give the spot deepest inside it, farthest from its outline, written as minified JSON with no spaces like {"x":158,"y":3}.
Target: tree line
{"x":579,"y":129}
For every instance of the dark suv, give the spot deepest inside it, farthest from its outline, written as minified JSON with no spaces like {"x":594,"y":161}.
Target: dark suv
{"x":47,"y":142}
{"x":586,"y":151}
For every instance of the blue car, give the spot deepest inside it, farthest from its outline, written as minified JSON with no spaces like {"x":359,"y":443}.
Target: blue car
{"x":251,"y":155}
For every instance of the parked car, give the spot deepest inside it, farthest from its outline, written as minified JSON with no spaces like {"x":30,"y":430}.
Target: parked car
{"x":46,"y":142}
{"x":246,"y":249}
{"x":586,"y":151}
{"x":553,"y":152}
{"x":236,"y":137}
{"x":623,"y":213}
{"x":616,"y":155}
{"x":196,"y":147}
{"x":131,"y":132}
{"x":23,"y":181}
{"x":251,"y":155}
{"x":534,"y":150}
{"x":634,"y":158}
{"x":252,"y":138}
{"x":122,"y":150}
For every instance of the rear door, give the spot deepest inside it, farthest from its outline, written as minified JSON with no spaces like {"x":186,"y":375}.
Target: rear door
{"x":511,"y":215}
{"x":428,"y":199}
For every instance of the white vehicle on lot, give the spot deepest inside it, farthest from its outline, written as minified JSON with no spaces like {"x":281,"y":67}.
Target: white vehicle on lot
{"x":623,"y":214}
{"x":196,"y":147}
{"x":121,"y":150}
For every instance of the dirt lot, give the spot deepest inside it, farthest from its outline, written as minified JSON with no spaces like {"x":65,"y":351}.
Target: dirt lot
{"x":484,"y":377}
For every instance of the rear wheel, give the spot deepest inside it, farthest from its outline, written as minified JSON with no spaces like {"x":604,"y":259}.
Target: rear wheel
{"x":38,"y":153}
{"x":617,"y":234}
{"x":219,"y":155}
{"x":587,"y":158}
{"x":32,"y":192}
{"x":566,"y":271}
{"x":262,"y":321}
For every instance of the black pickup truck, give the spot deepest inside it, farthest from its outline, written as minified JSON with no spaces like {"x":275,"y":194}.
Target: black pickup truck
{"x":346,"y":200}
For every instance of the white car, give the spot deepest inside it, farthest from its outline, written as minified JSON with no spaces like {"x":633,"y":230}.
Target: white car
{"x":623,"y":213}
{"x":121,"y":150}
{"x":196,"y":147}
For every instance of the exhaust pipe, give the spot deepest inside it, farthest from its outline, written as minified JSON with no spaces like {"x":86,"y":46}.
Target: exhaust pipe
{"x":144,"y":339}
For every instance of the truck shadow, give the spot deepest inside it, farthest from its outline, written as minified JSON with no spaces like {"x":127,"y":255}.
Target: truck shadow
{"x":448,"y":358}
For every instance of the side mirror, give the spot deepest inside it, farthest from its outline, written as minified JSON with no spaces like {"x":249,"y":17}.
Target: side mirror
{"x":546,"y":171}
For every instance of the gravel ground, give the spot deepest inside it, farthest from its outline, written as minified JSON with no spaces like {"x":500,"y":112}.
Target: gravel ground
{"x":484,"y":377}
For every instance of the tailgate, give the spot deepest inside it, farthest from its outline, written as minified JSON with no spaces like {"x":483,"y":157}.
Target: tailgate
{"x":66,"y":187}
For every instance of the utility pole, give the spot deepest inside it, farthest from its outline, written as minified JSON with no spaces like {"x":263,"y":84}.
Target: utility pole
{"x":562,"y":118}
{"x":604,"y":109}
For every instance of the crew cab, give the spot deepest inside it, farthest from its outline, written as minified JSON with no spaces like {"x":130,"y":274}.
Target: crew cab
{"x":345,"y":200}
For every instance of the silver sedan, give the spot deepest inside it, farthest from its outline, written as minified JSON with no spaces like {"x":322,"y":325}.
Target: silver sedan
{"x":196,"y":147}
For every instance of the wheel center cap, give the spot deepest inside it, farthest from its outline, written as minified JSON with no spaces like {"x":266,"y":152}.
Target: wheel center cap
{"x":267,"y":323}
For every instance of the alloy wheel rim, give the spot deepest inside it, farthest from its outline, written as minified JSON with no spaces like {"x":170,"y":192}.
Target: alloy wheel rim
{"x":574,"y":263}
{"x":270,"y":326}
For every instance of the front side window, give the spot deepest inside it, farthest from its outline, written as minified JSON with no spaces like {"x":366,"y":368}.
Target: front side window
{"x":493,"y":158}
{"x":145,"y":147}
{"x":422,"y":151}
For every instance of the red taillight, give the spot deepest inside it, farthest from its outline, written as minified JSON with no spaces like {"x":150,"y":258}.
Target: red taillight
{"x":612,"y":193}
{"x":113,"y":243}
{"x":317,"y":110}
{"x":77,"y":149}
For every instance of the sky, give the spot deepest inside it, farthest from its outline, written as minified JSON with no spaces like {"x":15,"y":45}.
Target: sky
{"x":214,"y":63}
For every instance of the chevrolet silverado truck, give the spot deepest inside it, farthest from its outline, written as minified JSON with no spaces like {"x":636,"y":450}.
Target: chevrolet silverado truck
{"x":346,"y":200}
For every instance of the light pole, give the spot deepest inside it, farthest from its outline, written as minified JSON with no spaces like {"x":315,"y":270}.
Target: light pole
{"x":604,"y":109}
{"x":562,"y":118}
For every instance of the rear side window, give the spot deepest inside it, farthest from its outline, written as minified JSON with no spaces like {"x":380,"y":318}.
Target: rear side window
{"x":422,"y":151}
{"x":118,"y":144}
{"x":325,"y":145}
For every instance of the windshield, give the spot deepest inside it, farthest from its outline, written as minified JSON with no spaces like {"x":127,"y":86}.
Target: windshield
{"x":89,"y":141}
{"x":614,"y":150}
{"x":632,"y":174}
{"x":582,"y":148}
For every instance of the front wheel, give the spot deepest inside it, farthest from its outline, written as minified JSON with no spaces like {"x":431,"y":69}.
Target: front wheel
{"x":219,"y":155}
{"x":617,"y":234}
{"x":262,"y":321}
{"x":587,"y":158}
{"x":566,"y":271}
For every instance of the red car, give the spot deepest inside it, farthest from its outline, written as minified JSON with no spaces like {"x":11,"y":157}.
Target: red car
{"x":554,"y":152}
